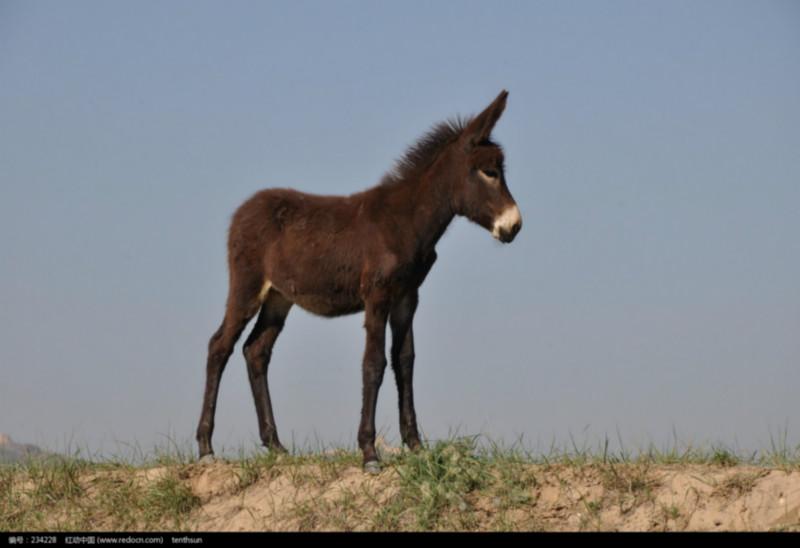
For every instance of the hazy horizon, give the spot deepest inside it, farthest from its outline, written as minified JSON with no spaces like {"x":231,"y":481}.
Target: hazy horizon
{"x":652,"y":148}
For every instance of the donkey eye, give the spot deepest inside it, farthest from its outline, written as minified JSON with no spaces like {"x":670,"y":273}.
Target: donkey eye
{"x":492,"y":174}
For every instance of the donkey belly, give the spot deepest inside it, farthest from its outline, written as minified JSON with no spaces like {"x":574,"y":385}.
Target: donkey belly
{"x":323,"y":294}
{"x":327,"y":306}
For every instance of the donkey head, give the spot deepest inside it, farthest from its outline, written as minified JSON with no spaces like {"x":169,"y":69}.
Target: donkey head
{"x":481,"y":194}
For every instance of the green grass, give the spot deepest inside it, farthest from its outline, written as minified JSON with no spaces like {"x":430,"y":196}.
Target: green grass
{"x":439,"y":480}
{"x":168,"y":498}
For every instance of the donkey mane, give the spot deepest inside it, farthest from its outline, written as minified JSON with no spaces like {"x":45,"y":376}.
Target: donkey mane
{"x":424,"y":151}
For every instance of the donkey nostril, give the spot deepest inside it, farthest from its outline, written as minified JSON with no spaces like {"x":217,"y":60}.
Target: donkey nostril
{"x":516,"y":227}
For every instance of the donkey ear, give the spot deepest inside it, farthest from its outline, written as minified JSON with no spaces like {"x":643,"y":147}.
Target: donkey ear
{"x":481,"y":126}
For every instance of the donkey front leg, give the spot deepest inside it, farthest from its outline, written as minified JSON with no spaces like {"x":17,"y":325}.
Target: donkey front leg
{"x":401,"y":319}
{"x":374,"y":365}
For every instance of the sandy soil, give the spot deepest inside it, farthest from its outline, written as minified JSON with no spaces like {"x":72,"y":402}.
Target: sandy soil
{"x":559,"y":498}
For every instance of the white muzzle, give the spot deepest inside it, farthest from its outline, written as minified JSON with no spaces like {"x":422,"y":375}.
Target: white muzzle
{"x":506,"y":221}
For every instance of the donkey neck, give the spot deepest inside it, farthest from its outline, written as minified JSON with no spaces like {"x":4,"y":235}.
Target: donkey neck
{"x":427,"y":205}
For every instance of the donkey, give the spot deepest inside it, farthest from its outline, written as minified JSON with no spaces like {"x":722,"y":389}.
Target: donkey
{"x":371,"y":251}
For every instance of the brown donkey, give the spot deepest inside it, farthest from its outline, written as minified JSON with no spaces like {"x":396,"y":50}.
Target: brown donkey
{"x":371,"y":251}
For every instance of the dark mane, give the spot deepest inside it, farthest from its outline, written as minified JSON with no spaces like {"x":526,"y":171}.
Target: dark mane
{"x":423,"y":152}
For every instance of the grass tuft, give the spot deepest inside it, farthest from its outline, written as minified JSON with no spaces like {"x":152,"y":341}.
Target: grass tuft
{"x":169,"y":499}
{"x":441,"y":478}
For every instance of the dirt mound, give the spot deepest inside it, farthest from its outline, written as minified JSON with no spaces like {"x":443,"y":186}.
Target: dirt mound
{"x":444,"y":490}
{"x":556,"y":498}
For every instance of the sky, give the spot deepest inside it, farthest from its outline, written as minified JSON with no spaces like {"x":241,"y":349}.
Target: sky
{"x":653,"y":149}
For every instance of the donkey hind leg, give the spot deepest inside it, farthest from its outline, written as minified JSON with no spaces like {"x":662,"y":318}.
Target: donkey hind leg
{"x":239,"y":311}
{"x":257,"y":352}
{"x":401,"y":319}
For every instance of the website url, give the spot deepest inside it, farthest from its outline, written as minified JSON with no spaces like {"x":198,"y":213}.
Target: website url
{"x":130,"y":540}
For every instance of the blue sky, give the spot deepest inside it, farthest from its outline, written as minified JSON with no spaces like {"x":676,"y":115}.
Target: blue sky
{"x":652,"y":148}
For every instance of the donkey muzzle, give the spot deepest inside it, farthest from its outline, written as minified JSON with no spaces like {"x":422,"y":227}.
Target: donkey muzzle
{"x":507,"y":224}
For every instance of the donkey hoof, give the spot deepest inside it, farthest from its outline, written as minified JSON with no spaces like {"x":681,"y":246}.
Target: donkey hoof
{"x":208,"y":459}
{"x":278,"y":449}
{"x":372,"y":467}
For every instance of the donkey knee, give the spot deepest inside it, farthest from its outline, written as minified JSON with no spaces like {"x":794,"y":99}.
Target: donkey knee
{"x":218,"y":352}
{"x":257,"y":358}
{"x":373,"y":372}
{"x":402,"y":359}
{"x":214,"y":342}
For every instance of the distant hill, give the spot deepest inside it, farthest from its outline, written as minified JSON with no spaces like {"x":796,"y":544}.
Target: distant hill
{"x":11,"y":452}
